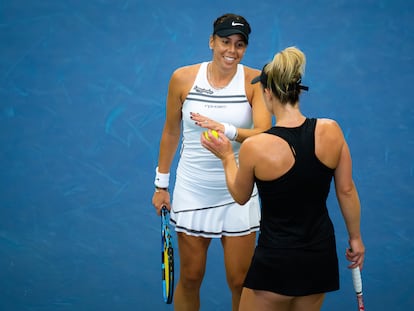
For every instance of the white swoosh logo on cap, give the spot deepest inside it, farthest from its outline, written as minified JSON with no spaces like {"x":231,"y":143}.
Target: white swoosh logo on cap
{"x":236,"y":24}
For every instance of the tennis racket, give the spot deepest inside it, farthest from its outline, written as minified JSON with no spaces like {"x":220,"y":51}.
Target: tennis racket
{"x":167,"y":257}
{"x":357,"y":280}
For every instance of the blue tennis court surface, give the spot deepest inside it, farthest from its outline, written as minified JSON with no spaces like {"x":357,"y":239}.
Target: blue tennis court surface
{"x":82,"y":92}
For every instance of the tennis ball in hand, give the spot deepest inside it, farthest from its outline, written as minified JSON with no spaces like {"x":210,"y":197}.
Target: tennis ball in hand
{"x":215,"y":134}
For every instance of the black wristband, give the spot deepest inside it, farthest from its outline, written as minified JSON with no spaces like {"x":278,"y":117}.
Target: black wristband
{"x":159,"y":189}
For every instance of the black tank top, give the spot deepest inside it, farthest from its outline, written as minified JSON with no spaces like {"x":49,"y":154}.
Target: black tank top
{"x":294,"y":212}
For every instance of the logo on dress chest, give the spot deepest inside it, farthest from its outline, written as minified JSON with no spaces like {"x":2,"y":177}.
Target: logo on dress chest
{"x":201,"y":90}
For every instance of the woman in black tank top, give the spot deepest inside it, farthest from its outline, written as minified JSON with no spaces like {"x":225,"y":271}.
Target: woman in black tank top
{"x":293,"y":164}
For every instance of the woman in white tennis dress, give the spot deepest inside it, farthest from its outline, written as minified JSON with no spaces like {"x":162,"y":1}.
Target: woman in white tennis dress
{"x":210,"y":95}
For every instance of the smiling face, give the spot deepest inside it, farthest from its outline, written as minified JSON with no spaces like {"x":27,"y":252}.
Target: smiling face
{"x":228,"y":51}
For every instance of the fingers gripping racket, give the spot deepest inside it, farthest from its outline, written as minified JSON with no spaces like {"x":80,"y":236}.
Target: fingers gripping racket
{"x":167,"y":257}
{"x":357,"y":280}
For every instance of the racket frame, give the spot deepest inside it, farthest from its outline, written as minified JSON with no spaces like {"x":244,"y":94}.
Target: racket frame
{"x":167,"y":257}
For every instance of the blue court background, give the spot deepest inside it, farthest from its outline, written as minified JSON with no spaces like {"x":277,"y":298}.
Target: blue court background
{"x":82,"y":88}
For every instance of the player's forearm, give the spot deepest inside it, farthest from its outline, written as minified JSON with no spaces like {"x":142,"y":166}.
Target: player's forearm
{"x":242,"y":133}
{"x":351,"y":210}
{"x":168,"y":148}
{"x":230,"y":168}
{"x":262,"y":122}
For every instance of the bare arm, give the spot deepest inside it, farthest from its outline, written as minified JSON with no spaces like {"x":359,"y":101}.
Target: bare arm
{"x":172,"y":127}
{"x":262,"y":118}
{"x":349,"y":203}
{"x":170,"y":136}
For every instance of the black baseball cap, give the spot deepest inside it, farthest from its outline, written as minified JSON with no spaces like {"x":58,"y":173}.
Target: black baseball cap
{"x":231,"y":26}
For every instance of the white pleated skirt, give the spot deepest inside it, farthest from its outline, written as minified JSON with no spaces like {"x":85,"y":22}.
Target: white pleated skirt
{"x":214,"y":222}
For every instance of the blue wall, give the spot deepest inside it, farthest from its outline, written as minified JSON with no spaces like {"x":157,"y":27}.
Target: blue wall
{"x":82,"y":93}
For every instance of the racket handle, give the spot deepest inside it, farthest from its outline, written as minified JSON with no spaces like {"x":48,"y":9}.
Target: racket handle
{"x":357,"y":280}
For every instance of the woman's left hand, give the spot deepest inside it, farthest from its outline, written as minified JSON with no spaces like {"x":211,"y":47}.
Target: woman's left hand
{"x":355,"y":253}
{"x":205,"y":122}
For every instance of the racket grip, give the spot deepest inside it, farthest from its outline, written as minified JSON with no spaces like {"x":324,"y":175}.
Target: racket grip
{"x":356,"y":279}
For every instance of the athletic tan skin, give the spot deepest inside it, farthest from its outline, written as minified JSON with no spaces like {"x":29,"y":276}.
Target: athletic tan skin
{"x":227,"y":54}
{"x":276,"y":160}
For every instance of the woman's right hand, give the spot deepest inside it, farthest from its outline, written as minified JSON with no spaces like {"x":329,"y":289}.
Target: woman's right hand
{"x":220,"y":146}
{"x":161,"y":198}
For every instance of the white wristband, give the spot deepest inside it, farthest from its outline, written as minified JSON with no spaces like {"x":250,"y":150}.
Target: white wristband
{"x":162,"y":180}
{"x":230,"y":131}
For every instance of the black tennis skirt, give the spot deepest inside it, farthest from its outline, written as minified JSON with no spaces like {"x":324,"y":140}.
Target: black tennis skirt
{"x":295,"y":272}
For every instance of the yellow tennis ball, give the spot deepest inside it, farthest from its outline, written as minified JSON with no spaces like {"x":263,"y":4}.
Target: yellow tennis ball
{"x":215,"y":134}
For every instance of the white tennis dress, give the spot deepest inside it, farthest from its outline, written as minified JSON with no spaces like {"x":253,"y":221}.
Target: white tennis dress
{"x":201,"y":204}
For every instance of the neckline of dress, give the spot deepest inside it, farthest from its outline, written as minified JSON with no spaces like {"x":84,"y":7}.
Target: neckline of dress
{"x":210,"y":81}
